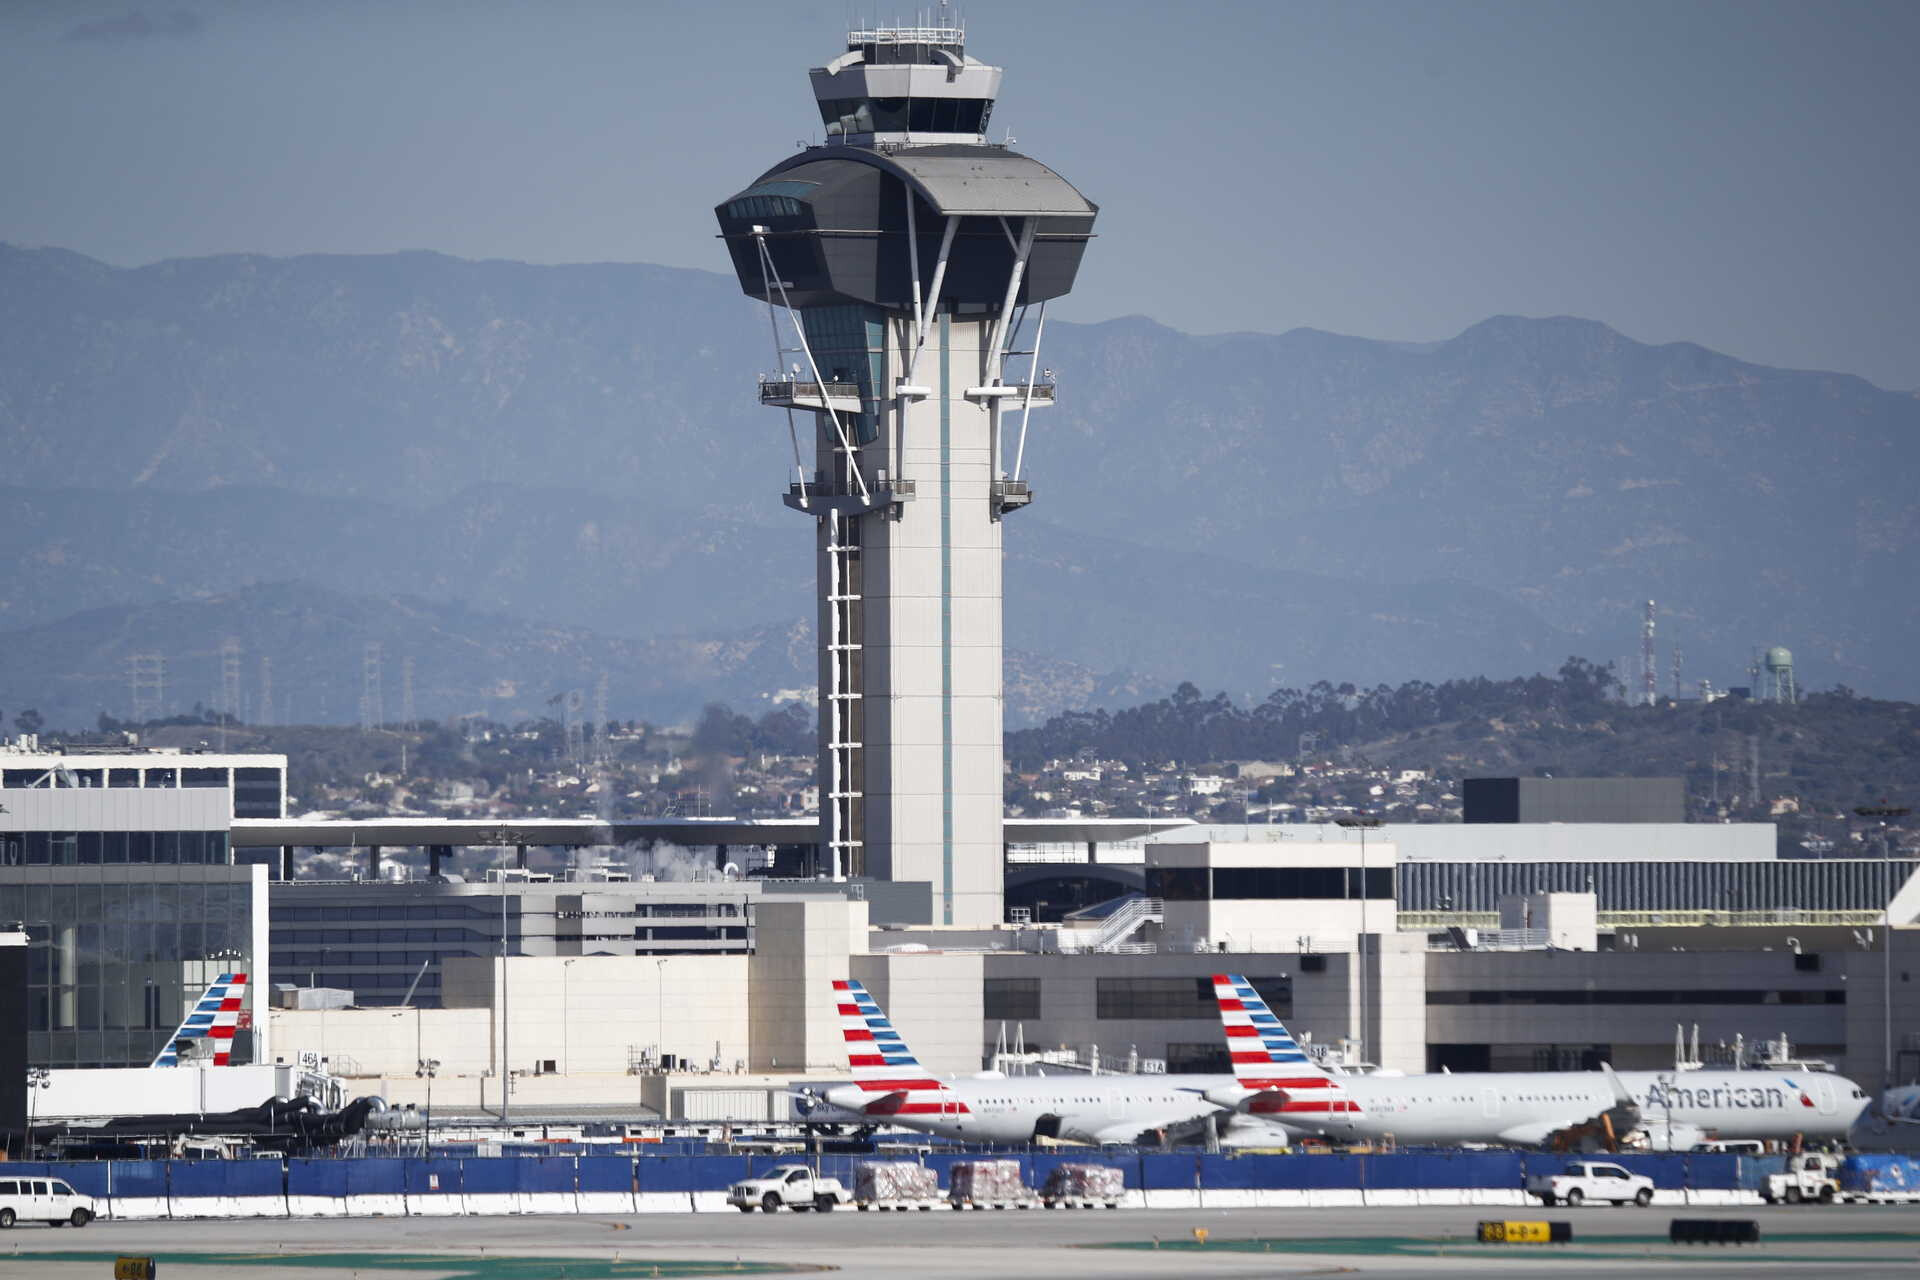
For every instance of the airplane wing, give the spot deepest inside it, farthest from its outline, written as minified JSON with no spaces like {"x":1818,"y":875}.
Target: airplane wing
{"x":1586,"y":1129}
{"x":1148,"y":1124}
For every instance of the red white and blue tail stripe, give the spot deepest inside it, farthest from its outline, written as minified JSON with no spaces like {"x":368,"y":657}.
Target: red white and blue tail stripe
{"x":1266,"y":1057}
{"x":882,"y":1064}
{"x":215,"y":1018}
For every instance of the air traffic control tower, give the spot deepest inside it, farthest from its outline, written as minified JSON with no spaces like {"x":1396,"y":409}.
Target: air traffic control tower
{"x":906,"y":264}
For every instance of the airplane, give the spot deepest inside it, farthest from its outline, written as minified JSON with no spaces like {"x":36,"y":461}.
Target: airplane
{"x":1890,"y":1123}
{"x":1675,"y":1110}
{"x":213,"y":1019}
{"x":890,"y":1087}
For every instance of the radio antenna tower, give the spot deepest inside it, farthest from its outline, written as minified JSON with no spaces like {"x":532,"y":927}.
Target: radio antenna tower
{"x":265,"y":713}
{"x":372,"y":713}
{"x":1676,"y":672}
{"x":1649,"y":669}
{"x":147,"y":681}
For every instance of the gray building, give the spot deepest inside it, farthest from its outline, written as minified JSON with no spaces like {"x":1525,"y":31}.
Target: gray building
{"x":1573,"y":800}
{"x":132,"y":906}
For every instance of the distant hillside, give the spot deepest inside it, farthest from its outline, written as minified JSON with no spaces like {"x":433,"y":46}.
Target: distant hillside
{"x":578,"y":447}
{"x":1830,"y":753}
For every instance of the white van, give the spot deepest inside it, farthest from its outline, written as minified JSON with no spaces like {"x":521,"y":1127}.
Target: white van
{"x":43,"y":1199}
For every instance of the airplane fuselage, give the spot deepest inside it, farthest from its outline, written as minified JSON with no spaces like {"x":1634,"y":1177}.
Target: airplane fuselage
{"x":1113,"y":1108}
{"x":1525,"y":1107}
{"x":1516,"y":1108}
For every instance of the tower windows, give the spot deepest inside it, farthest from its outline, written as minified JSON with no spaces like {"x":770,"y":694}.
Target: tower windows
{"x":905,"y":115}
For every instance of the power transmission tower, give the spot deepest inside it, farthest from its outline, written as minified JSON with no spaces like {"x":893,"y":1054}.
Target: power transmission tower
{"x":147,"y":680}
{"x":230,"y":679}
{"x":600,"y":751}
{"x":373,"y":713}
{"x":570,"y":708}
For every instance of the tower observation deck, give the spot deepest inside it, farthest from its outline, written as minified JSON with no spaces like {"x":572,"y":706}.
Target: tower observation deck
{"x":913,"y":261}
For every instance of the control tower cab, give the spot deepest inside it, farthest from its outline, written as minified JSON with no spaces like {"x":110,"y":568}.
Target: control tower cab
{"x":912,"y":261}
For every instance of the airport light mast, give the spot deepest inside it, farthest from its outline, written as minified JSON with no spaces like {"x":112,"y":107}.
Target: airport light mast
{"x":913,"y":261}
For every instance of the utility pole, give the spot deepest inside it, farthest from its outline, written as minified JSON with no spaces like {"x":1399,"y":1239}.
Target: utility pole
{"x":1885,"y":813}
{"x":1362,"y":825}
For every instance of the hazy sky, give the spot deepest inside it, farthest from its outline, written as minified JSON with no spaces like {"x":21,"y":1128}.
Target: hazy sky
{"x":1743,"y":175}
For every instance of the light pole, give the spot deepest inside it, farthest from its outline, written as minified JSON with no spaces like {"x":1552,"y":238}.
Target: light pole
{"x":566,"y":1020}
{"x":38,"y":1078}
{"x":428,"y":1068}
{"x":659,"y":1011}
{"x":1362,"y":825}
{"x":1884,"y":813}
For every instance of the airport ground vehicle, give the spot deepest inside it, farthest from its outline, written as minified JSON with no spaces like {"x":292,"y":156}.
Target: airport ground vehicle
{"x":792,"y":1185}
{"x":1585,"y":1180}
{"x":1811,"y":1176}
{"x":43,"y":1199}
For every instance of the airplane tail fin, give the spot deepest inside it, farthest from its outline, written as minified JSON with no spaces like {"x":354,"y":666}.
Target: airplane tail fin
{"x":214,"y":1018}
{"x":1265,"y":1056}
{"x":883,"y":1065}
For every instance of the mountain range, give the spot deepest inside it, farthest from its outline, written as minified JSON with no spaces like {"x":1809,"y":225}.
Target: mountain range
{"x":520,"y":476}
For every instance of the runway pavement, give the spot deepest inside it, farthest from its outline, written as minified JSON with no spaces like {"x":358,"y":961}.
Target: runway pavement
{"x":1853,"y":1240}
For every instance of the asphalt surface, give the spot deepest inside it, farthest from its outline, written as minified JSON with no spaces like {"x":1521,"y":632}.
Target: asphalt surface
{"x":1845,"y":1240}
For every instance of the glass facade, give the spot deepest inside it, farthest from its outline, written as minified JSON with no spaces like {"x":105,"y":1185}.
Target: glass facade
{"x":115,"y":958}
{"x":850,"y":345}
{"x":905,"y":115}
{"x":1191,"y":884}
{"x":1008,"y":998}
{"x":778,"y":199}
{"x":112,"y":848}
{"x":1179,"y":997}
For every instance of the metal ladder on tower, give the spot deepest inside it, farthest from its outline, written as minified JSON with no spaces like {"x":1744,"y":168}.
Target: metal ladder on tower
{"x":843,"y":847}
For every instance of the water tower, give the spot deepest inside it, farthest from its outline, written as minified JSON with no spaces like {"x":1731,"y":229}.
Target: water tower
{"x":1776,"y":676}
{"x":907,"y":263}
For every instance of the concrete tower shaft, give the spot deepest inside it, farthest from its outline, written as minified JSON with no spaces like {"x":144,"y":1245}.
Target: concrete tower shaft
{"x":911,"y":266}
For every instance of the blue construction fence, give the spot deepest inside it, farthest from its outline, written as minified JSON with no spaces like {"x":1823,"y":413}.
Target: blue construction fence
{"x":253,"y":1180}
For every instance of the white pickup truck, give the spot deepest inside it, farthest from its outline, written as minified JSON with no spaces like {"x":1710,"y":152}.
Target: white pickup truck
{"x":792,"y":1185}
{"x":1810,"y":1176}
{"x":1586,"y":1180}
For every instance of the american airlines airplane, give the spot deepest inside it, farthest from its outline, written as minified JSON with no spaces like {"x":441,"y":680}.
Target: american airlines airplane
{"x":1890,"y":1123}
{"x":891,"y":1087}
{"x":1274,"y":1079}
